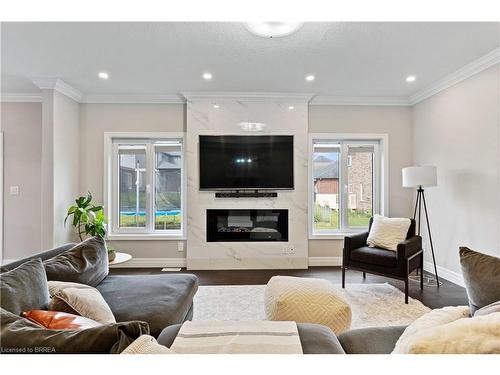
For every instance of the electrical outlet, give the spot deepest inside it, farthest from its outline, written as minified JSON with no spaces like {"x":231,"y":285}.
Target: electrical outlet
{"x":14,"y":190}
{"x":285,"y":250}
{"x":180,"y":247}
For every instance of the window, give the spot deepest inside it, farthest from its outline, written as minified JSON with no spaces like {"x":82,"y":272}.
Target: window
{"x":145,"y":186}
{"x":346,"y":185}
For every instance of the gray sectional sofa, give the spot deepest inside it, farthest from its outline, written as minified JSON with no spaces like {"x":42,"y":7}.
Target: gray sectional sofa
{"x":159,"y":300}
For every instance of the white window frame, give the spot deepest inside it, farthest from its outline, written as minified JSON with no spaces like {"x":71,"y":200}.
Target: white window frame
{"x":111,"y":179}
{"x":381,"y":179}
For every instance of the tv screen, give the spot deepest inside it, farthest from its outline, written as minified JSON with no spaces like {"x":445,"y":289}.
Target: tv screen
{"x":246,"y":162}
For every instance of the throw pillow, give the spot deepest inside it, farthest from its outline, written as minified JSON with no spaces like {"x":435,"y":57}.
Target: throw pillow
{"x":386,"y":232}
{"x":19,"y":335}
{"x":59,"y":320}
{"x":477,"y":335}
{"x":434,"y":318}
{"x":481,"y":276}
{"x":81,"y":300}
{"x":146,"y":345}
{"x":85,"y":263}
{"x":489,"y":309}
{"x":24,"y":288}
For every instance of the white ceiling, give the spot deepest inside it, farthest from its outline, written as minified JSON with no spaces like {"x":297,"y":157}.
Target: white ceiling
{"x":348,"y":59}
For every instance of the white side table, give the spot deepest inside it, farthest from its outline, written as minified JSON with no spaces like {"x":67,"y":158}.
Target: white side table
{"x":120,"y":258}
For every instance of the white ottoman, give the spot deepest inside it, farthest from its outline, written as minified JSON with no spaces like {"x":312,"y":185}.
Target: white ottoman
{"x":306,"y":300}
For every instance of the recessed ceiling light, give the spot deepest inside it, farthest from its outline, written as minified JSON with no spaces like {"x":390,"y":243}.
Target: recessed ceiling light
{"x":291,"y":107}
{"x":216,"y":106}
{"x":273,"y":29}
{"x":103,"y":75}
{"x":207,"y":76}
{"x":411,"y":79}
{"x":310,"y":78}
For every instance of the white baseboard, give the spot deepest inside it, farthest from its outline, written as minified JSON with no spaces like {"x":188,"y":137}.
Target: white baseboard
{"x":445,"y":273}
{"x":325,"y":261}
{"x":152,"y":263}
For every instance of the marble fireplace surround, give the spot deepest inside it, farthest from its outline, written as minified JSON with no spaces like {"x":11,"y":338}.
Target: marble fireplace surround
{"x":274,"y":111}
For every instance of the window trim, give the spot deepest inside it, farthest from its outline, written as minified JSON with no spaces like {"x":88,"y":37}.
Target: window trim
{"x":383,"y":173}
{"x":109,"y":180}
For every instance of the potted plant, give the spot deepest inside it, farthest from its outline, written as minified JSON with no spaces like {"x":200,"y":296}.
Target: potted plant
{"x":89,"y":220}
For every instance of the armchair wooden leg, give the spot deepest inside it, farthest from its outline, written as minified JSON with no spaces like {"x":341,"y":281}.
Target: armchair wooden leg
{"x":343,"y":277}
{"x":406,"y":290}
{"x":364,"y":275}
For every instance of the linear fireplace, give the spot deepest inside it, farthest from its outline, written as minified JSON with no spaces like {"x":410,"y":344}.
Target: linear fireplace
{"x":247,"y":225}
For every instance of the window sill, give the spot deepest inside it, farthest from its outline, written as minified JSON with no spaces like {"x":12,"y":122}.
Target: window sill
{"x":144,"y":237}
{"x":332,"y":236}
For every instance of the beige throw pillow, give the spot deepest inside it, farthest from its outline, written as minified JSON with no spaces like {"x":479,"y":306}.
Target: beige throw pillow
{"x":81,"y":300}
{"x":386,"y":232}
{"x":146,"y":344}
{"x":477,"y":335}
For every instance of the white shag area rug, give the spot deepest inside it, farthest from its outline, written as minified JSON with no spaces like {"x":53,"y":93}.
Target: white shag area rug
{"x":372,"y":305}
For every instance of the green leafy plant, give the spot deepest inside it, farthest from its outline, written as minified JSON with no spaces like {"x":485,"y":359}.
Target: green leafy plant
{"x":87,"y":218}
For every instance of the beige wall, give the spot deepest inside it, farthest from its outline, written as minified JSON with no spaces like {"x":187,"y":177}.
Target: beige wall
{"x":458,"y":131}
{"x":95,"y":119}
{"x":392,"y":120}
{"x":22,"y":127}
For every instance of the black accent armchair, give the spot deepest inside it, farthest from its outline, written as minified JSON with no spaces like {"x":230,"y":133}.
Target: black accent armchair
{"x":394,"y":264}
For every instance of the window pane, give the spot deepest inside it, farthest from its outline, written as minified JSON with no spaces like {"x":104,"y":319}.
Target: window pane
{"x":326,"y":187}
{"x":132,"y":181}
{"x":360,"y":179}
{"x":168,"y":215}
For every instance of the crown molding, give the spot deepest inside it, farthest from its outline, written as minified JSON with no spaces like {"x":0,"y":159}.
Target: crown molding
{"x":132,"y":99}
{"x":20,"y":98}
{"x":59,"y":85}
{"x":360,"y":100}
{"x":461,"y":74}
{"x":248,"y":96}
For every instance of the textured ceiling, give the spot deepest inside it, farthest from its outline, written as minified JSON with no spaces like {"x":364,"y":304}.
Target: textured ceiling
{"x":348,"y":59}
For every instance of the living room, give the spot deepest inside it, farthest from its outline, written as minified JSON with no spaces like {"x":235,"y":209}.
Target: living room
{"x":313,"y":187}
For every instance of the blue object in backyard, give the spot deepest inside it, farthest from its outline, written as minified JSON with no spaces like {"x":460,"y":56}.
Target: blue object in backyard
{"x":158,"y":213}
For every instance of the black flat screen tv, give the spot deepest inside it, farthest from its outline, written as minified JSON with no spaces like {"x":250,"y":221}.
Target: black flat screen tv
{"x":234,"y":162}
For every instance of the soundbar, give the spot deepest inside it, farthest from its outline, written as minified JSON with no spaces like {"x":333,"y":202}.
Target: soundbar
{"x":246,"y":194}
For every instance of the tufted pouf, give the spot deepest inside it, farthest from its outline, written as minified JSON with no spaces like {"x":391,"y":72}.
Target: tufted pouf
{"x":306,"y":300}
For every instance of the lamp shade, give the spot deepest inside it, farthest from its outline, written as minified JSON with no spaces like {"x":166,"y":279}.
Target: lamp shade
{"x":419,"y":176}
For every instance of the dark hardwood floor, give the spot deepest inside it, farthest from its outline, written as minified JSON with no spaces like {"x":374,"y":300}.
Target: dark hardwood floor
{"x":448,"y":294}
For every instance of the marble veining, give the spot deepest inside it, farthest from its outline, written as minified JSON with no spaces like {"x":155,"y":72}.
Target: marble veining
{"x":203,"y":119}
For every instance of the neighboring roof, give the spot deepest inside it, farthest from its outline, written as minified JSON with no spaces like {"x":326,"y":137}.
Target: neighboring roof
{"x":329,"y":170}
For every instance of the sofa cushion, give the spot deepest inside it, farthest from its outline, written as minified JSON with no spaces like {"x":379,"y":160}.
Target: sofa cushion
{"x":374,"y":255}
{"x":81,"y":300}
{"x":24,"y":288}
{"x":19,"y":335}
{"x":376,"y":340}
{"x":481,"y":276}
{"x":44,"y":255}
{"x":85,"y":263}
{"x":160,"y":300}
{"x":314,"y":338}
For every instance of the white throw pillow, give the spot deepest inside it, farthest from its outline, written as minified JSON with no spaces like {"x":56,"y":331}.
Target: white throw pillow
{"x":477,"y":335}
{"x":146,"y":344}
{"x":386,"y":232}
{"x":79,"y":299}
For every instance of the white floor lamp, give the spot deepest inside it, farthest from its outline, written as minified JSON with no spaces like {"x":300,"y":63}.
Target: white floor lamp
{"x":420,"y":177}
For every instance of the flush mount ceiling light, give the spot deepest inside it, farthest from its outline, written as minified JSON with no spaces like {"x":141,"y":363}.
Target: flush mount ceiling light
{"x":291,"y":107}
{"x":252,"y":126}
{"x":310,"y":78}
{"x":411,"y":79}
{"x":103,"y":75}
{"x":272,"y":29}
{"x":216,"y":106}
{"x":207,"y":76}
